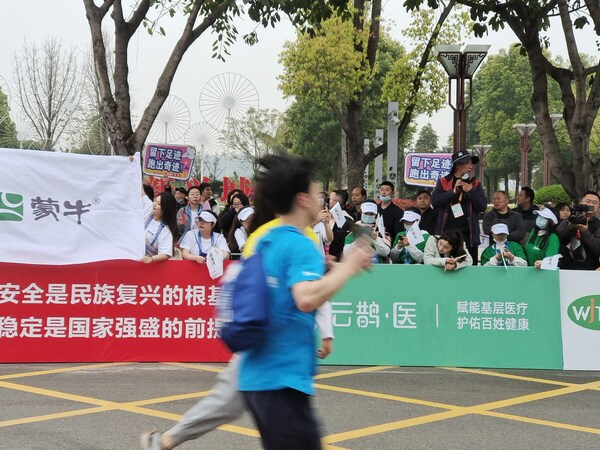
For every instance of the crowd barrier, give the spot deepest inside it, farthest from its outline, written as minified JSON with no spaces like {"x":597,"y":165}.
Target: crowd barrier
{"x":391,"y":315}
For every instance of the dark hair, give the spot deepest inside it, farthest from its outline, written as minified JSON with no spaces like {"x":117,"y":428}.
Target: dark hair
{"x":544,"y":238}
{"x":343,"y":195}
{"x":231,"y":193}
{"x":423,"y":191}
{"x":529,"y":193}
{"x":149,"y":191}
{"x":168,"y":206}
{"x":204,"y":186}
{"x":243,"y":198}
{"x":388,"y":183}
{"x":278,"y":180}
{"x":231,"y":240}
{"x":504,"y":193}
{"x":456,"y":241}
{"x":182,"y":190}
{"x":560,"y":207}
{"x":217,"y":226}
{"x":590,"y":193}
{"x":194,"y":187}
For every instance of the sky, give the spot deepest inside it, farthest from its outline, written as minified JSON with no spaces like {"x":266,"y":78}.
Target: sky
{"x":32,"y":21}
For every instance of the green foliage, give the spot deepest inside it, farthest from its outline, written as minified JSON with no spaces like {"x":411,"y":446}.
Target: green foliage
{"x":326,"y":68}
{"x":432,"y":95}
{"x":428,"y":139}
{"x":554,"y":193}
{"x":502,"y":93}
{"x":313,"y":131}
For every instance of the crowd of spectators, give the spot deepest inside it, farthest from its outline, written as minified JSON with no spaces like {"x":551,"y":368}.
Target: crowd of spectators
{"x":443,"y":228}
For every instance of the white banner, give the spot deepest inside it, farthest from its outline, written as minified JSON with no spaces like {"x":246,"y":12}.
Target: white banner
{"x":62,"y":208}
{"x":580,"y":319}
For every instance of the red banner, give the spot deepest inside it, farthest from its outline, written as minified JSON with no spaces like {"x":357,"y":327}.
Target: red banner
{"x":109,"y":311}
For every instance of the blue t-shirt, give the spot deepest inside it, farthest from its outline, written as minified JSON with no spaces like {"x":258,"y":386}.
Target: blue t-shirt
{"x":286,"y":358}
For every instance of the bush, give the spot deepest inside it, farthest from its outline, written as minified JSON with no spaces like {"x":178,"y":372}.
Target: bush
{"x":554,"y":193}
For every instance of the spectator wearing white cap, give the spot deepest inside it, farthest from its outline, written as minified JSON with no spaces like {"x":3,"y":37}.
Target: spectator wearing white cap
{"x":402,"y":251}
{"x":239,"y":229}
{"x":367,"y":221}
{"x":543,"y":241}
{"x":197,"y":244}
{"x":501,"y":251}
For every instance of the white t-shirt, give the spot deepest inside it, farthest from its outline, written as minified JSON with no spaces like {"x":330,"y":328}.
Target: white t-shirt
{"x":240,"y":237}
{"x":319,"y":228}
{"x":163,"y":243}
{"x":189,"y":242}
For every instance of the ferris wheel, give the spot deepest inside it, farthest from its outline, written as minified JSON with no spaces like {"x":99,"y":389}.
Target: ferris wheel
{"x":227,"y":96}
{"x":205,"y":139}
{"x":172,"y":121}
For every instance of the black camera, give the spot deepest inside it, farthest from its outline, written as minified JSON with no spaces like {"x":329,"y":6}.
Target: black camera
{"x":578,"y":214}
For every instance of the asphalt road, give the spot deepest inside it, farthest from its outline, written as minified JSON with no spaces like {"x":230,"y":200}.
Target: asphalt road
{"x":107,"y":406}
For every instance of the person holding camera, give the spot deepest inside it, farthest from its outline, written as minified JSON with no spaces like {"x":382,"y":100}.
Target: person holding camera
{"x":459,"y":199}
{"x":580,"y":235}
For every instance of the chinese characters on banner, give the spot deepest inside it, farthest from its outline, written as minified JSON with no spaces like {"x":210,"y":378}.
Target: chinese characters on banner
{"x":109,"y":311}
{"x":171,"y":161}
{"x":63,"y":208}
{"x":424,"y":169}
{"x":420,"y":315}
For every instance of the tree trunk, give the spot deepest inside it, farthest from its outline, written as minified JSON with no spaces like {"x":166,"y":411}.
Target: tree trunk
{"x":342,"y":169}
{"x":355,"y":145}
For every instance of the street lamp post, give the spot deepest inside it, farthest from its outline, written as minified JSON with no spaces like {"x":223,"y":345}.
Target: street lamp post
{"x":460,"y":67}
{"x":547,"y":172}
{"x":525,"y":130}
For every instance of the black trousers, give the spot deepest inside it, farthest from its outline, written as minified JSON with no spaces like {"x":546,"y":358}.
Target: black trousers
{"x":284,"y":419}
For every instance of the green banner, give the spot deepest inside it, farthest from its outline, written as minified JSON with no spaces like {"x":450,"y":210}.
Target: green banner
{"x":415,"y":315}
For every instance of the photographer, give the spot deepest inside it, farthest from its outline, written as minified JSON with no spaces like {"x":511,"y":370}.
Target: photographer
{"x":580,"y":235}
{"x":459,"y":199}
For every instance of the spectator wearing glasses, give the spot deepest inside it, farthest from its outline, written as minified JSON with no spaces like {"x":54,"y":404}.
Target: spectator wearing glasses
{"x":580,"y":235}
{"x":197,"y":244}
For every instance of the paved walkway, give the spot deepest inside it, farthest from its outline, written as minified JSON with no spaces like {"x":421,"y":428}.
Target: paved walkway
{"x":106,"y":406}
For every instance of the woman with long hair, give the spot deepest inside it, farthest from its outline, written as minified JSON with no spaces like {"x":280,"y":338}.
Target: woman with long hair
{"x":448,"y":251}
{"x":239,"y":230}
{"x":161,"y":228}
{"x":543,"y":241}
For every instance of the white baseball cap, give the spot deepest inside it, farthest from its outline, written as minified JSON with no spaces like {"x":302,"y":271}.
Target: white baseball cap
{"x":207,"y":217}
{"x":500,"y":228}
{"x":410,"y":216}
{"x":547,"y":214}
{"x":245,"y":213}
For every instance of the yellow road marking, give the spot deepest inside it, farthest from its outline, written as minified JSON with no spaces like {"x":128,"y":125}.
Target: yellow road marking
{"x":171,"y":398}
{"x":387,"y":397}
{"x":391,"y":426}
{"x":59,"y":370}
{"x":61,"y":415}
{"x":533,"y":397}
{"x":343,"y":373}
{"x":202,"y":367}
{"x":548,"y":423}
{"x":509,"y":376}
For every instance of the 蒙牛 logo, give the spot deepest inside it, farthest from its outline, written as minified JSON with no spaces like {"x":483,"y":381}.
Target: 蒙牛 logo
{"x":585,"y":313}
{"x":11,"y":207}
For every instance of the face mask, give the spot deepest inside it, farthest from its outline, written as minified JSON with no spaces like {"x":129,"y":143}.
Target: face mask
{"x":541,"y":222}
{"x":385,"y":199}
{"x":180,"y":201}
{"x":364,"y":218}
{"x":499,"y":241}
{"x":465,"y":176}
